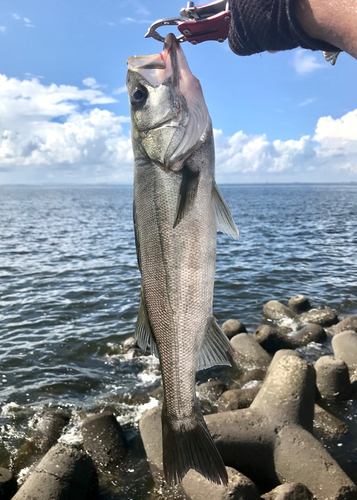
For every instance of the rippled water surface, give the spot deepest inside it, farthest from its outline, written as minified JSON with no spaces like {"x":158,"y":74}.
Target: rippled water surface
{"x":70,"y":287}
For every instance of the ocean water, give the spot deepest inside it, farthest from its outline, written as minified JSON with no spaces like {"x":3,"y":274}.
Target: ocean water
{"x":70,"y":289}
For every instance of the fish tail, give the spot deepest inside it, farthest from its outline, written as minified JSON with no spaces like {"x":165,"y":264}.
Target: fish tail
{"x":187,"y":444}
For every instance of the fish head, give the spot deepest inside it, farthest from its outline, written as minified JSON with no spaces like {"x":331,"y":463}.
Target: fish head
{"x":169,"y":115}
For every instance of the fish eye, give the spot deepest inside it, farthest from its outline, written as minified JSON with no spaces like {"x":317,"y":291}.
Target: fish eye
{"x":138,"y":96}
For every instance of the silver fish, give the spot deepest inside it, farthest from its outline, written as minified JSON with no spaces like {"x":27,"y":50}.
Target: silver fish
{"x":177,"y":212}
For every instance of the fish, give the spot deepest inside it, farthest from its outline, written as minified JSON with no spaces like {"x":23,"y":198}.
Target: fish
{"x":177,"y":212}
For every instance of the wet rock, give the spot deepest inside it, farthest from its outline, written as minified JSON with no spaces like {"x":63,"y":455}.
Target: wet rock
{"x":8,"y":484}
{"x":273,"y":338}
{"x":196,"y":487}
{"x":327,"y":427}
{"x":289,"y":491}
{"x":209,"y":392}
{"x":324,"y":317}
{"x":276,"y":311}
{"x":232,"y":327}
{"x":344,"y":346}
{"x":248,"y":353}
{"x":51,"y":426}
{"x":299,"y":304}
{"x":349,"y":323}
{"x":332,"y":378}
{"x":104,"y":439}
{"x":235,"y":399}
{"x":64,"y":473}
{"x":311,"y":332}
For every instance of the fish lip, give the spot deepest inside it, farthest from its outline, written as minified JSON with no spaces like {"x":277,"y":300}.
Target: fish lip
{"x":171,"y":46}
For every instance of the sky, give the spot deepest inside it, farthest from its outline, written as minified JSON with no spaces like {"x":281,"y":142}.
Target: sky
{"x":64,"y":112}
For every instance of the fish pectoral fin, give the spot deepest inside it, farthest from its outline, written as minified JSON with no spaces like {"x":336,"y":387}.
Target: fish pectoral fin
{"x":225,"y":222}
{"x":143,"y":332}
{"x":187,"y":195}
{"x":216,"y":348}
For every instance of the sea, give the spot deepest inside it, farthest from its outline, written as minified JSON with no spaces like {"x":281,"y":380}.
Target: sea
{"x":70,"y":290}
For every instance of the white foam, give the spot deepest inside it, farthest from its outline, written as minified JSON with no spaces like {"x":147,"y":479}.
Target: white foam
{"x":9,"y":409}
{"x":134,"y":413}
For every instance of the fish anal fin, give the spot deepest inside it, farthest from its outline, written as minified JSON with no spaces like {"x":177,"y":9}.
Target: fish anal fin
{"x":216,"y":348}
{"x":187,"y":195}
{"x":187,"y":444}
{"x":225,"y":222}
{"x":143,"y":331}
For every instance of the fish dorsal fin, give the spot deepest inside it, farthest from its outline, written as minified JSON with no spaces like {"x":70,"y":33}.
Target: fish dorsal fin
{"x":187,"y":195}
{"x":225,"y":222}
{"x":143,"y":332}
{"x":216,"y":348}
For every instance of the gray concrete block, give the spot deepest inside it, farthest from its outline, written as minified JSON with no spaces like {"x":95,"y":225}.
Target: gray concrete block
{"x":64,"y":473}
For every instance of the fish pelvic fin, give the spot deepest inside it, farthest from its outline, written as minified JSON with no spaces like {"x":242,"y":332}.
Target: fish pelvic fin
{"x":216,"y":348}
{"x":187,"y":195}
{"x":225,"y":222}
{"x":144,"y":335}
{"x":187,"y":444}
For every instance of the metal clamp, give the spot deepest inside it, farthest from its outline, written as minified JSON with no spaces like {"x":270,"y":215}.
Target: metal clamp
{"x":198,"y":24}
{"x":170,"y":21}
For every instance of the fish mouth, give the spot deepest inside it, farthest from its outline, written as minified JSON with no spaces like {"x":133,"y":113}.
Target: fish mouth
{"x":159,"y":68}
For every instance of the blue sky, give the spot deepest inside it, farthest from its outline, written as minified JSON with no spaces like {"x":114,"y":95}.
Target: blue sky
{"x":64,"y":115}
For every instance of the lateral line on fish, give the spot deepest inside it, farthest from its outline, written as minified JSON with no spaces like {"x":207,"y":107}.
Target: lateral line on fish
{"x":157,"y":217}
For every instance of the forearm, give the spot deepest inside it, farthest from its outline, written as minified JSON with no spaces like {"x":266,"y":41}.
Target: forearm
{"x":334,"y":21}
{"x":274,"y":25}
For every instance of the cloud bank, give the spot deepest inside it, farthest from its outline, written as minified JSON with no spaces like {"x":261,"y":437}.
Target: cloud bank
{"x":57,"y":133}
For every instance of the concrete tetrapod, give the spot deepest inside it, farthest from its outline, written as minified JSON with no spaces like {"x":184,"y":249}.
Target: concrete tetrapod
{"x":274,"y":435}
{"x":64,"y":473}
{"x":270,"y":442}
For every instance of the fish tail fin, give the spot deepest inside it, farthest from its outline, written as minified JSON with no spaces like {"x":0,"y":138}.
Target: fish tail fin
{"x":187,"y":444}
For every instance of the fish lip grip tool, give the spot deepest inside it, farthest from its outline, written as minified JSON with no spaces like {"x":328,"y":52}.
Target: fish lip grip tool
{"x":197,"y":24}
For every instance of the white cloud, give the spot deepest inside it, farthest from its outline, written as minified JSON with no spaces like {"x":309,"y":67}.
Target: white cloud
{"x":126,"y":20}
{"x":2,"y":29}
{"x":338,"y":141}
{"x":248,"y":154}
{"x":333,"y":148}
{"x":92,"y":83}
{"x":44,"y":134}
{"x":28,"y":23}
{"x":307,"y":101}
{"x":120,"y":90}
{"x":55,"y":133}
{"x":306,"y":62}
